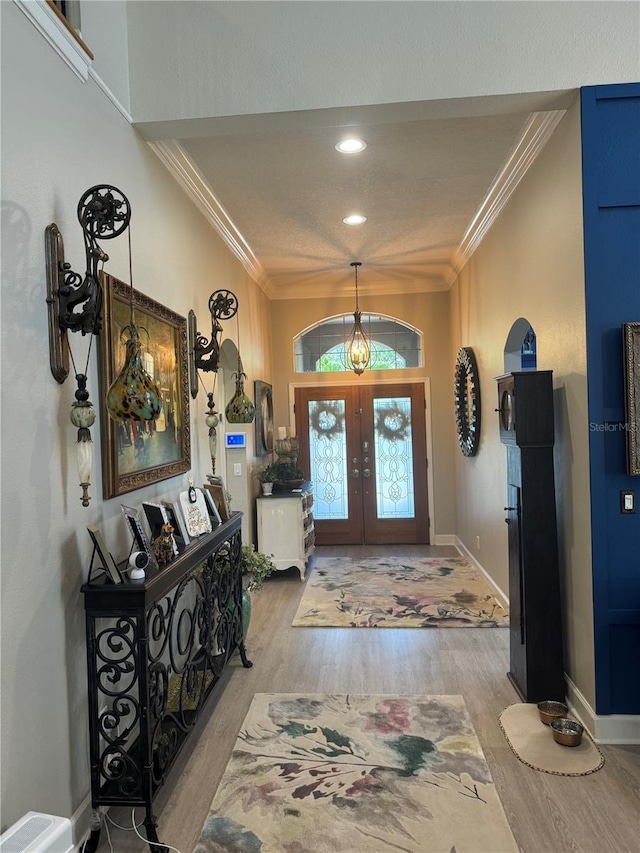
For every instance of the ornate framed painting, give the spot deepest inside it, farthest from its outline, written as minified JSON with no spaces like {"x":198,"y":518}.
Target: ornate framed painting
{"x":264,"y":417}
{"x":137,"y":453}
{"x":631,"y":336}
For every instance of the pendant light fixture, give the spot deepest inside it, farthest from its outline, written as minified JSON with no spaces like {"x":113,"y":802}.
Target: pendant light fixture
{"x":357,"y":351}
{"x":240,"y":409}
{"x":133,"y":395}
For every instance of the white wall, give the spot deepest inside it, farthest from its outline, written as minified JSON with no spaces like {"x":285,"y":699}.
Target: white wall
{"x":104,"y":30}
{"x":531,"y":265}
{"x":190,"y":60}
{"x":61,"y":136}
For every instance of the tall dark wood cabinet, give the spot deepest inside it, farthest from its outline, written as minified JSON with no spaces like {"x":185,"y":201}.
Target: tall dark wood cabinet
{"x":526,"y":428}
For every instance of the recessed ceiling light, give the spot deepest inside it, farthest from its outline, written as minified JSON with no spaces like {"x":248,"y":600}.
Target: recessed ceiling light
{"x":354,"y":219}
{"x":351,"y":146}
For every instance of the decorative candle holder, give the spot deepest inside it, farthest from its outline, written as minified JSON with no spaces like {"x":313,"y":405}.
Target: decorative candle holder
{"x":287,"y":449}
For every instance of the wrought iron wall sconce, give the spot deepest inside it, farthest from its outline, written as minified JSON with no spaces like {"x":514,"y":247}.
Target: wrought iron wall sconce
{"x":74,"y":303}
{"x":204,"y":355}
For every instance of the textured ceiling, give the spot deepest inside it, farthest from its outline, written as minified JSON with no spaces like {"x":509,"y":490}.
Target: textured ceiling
{"x":419,"y":183}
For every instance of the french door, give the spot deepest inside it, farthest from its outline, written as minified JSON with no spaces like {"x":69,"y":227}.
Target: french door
{"x":365,"y":449}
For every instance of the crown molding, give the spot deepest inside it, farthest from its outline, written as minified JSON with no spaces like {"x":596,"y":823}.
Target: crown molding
{"x":534,"y":137}
{"x":435,"y":284}
{"x":176,"y":159}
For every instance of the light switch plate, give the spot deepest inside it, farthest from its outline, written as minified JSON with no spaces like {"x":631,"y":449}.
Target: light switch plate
{"x":627,"y":502}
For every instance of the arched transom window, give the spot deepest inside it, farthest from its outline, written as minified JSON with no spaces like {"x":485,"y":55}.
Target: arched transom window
{"x":394,"y":344}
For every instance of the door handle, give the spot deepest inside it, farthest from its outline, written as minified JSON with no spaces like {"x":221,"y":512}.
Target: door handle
{"x":355,"y":473}
{"x":367,"y":472}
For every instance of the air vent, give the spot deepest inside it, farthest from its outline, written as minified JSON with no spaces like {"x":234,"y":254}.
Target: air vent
{"x":38,"y":833}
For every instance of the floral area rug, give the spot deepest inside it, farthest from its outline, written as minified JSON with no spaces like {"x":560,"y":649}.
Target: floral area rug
{"x":428,"y":592}
{"x":356,"y":774}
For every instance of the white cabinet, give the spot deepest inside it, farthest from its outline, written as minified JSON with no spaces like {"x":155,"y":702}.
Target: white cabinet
{"x":285,"y":528}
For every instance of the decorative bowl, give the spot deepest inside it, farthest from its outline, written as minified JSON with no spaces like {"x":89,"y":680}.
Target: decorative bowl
{"x":550,"y":711}
{"x":567,"y":732}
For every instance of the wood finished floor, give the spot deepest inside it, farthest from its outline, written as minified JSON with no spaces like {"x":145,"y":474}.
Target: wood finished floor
{"x":548,"y":814}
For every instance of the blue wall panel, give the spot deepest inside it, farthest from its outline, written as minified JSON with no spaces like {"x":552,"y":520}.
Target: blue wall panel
{"x":611,"y":204}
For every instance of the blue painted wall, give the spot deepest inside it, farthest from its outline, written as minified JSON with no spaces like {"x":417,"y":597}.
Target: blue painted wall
{"x":611,"y":202}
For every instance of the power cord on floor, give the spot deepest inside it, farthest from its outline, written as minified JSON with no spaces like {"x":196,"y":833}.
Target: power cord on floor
{"x":106,"y":820}
{"x":124,"y":828}
{"x":160,"y":843}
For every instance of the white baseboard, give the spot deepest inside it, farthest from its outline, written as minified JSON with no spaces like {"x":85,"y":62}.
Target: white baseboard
{"x":444,"y":539}
{"x":80,"y":821}
{"x":603,"y":728}
{"x":499,"y":594}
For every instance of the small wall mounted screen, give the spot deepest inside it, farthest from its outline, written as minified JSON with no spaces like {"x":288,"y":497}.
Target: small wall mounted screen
{"x":235,"y":439}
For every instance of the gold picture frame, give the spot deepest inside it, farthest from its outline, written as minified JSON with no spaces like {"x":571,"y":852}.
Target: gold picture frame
{"x":137,"y":454}
{"x":631,"y":337}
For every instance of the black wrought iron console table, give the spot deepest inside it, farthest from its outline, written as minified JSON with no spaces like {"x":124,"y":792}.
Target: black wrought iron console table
{"x":155,"y":651}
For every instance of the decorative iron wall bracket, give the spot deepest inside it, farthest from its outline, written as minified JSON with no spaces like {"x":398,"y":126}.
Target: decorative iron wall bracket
{"x":54,"y":259}
{"x":204,"y":354}
{"x":103,"y":213}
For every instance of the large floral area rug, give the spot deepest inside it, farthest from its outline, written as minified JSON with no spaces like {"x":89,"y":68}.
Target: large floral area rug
{"x":356,"y":774}
{"x":428,"y":592}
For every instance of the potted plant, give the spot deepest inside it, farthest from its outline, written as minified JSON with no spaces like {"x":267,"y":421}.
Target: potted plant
{"x":287,"y":474}
{"x":256,"y":567}
{"x":267,"y":477}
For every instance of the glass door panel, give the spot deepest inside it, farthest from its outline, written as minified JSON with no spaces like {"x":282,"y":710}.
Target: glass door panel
{"x":393,"y":445}
{"x":328,"y":458}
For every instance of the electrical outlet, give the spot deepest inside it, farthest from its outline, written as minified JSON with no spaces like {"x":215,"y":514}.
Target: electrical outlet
{"x":478,"y":543}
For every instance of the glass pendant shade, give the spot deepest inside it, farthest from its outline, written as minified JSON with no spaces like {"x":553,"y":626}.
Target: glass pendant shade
{"x":240,"y":409}
{"x":84,"y":450}
{"x":133,"y":396}
{"x":357,"y":350}
{"x":83,"y":416}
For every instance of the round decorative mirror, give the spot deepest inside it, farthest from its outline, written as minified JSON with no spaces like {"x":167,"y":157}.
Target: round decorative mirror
{"x":467,"y":401}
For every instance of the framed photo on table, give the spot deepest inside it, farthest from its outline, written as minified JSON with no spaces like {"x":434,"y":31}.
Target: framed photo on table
{"x":195,"y":512}
{"x":219,"y":495}
{"x":108,"y":563}
{"x":137,"y":453}
{"x":214,"y":515}
{"x":140,"y":539}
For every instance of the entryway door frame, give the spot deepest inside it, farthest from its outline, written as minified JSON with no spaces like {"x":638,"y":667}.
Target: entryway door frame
{"x":335,"y":381}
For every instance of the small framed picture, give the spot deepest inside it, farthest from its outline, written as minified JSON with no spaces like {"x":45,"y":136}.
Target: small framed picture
{"x":174,"y":514}
{"x":108,"y":563}
{"x":195,"y":513}
{"x":140,"y":538}
{"x":156,"y":517}
{"x":219,"y":495}
{"x":214,"y":515}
